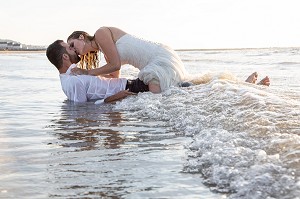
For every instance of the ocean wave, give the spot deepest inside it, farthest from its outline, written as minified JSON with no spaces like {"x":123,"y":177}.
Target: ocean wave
{"x":245,"y":137}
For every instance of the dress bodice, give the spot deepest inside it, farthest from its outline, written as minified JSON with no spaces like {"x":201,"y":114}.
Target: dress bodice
{"x":137,"y":52}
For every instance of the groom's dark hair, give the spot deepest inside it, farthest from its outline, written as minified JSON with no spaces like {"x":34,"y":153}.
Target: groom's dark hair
{"x":55,"y":52}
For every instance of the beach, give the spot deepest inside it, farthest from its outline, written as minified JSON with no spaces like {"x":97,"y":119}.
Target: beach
{"x":223,"y":138}
{"x":21,"y":51}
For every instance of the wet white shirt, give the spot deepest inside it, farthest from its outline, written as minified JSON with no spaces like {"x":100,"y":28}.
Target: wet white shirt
{"x":82,"y":88}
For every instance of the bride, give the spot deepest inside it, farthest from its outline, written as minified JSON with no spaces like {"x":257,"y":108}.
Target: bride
{"x":160,"y":67}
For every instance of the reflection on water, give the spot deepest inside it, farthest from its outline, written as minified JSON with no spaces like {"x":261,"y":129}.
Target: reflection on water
{"x":84,"y":128}
{"x":101,"y":152}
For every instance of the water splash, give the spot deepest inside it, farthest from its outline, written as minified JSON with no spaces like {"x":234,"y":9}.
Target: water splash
{"x":245,"y":137}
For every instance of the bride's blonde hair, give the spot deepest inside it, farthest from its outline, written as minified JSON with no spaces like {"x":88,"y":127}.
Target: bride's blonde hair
{"x":91,"y":59}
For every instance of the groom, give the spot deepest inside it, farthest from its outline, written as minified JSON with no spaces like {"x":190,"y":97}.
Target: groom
{"x":82,"y":88}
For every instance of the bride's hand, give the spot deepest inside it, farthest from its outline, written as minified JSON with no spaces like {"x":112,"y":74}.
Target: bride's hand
{"x":79,"y":71}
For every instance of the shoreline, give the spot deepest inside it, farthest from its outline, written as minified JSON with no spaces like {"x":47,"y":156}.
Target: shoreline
{"x":21,"y":51}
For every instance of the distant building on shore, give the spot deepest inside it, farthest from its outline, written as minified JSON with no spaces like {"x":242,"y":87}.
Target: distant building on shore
{"x":16,"y":46}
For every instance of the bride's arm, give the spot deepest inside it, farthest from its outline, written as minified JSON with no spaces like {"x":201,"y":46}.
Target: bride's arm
{"x":104,"y":40}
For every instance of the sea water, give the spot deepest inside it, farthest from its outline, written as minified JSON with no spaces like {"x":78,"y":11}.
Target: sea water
{"x":223,"y":138}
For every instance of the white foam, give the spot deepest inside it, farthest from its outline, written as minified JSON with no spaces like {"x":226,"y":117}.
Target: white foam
{"x":235,"y":127}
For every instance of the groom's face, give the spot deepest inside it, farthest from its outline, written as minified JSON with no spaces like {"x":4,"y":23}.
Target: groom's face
{"x":74,"y":58}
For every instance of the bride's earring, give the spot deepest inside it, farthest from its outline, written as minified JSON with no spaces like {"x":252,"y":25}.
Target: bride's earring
{"x":81,"y":37}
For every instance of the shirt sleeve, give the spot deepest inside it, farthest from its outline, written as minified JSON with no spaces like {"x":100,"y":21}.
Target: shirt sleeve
{"x":77,"y":91}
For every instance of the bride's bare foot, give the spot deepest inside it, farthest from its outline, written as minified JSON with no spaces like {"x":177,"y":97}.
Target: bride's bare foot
{"x":265,"y":81}
{"x":252,"y":78}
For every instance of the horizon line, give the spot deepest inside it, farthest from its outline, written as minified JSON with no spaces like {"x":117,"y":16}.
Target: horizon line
{"x":233,"y":48}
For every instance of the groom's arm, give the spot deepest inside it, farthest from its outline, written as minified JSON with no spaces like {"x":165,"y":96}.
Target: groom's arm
{"x":118,"y":96}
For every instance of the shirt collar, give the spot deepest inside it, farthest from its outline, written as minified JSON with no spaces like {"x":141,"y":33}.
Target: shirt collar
{"x":70,"y":68}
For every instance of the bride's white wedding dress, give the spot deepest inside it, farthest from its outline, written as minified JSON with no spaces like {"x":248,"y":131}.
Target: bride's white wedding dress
{"x":158,"y":63}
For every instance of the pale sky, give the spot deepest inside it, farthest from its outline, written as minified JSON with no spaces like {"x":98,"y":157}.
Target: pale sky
{"x":182,"y":24}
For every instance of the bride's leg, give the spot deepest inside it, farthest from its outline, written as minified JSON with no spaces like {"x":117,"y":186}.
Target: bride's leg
{"x":154,"y":87}
{"x":265,"y":81}
{"x":252,"y":78}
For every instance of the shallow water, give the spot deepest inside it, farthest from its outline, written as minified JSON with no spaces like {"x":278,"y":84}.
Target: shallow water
{"x":220,"y":139}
